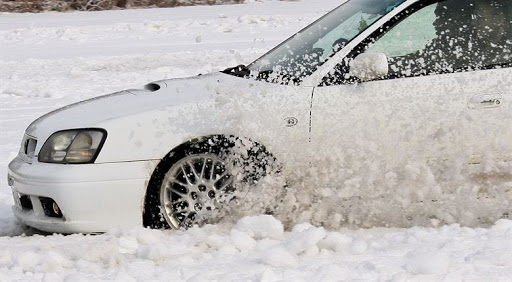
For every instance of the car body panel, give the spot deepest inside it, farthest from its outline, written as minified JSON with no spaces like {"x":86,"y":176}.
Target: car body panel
{"x":382,"y":118}
{"x":83,"y":194}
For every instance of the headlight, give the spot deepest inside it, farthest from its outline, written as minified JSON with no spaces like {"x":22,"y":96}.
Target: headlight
{"x":76,"y":146}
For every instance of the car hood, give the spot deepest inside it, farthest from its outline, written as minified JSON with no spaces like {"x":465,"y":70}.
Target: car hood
{"x":156,"y":95}
{"x":146,"y":123}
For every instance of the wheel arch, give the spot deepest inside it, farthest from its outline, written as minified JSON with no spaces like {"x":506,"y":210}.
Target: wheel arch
{"x":151,"y":213}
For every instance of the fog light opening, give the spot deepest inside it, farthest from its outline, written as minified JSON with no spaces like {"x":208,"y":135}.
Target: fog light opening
{"x":50,"y":207}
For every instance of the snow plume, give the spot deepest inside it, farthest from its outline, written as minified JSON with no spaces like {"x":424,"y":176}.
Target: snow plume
{"x":363,"y":191}
{"x":359,"y":178}
{"x":403,"y":196}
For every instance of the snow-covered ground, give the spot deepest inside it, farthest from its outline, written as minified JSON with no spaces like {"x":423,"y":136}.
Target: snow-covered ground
{"x":50,"y":60}
{"x":257,"y":249}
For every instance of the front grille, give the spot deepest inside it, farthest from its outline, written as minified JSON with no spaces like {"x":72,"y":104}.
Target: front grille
{"x":26,"y":203}
{"x":28,"y":148}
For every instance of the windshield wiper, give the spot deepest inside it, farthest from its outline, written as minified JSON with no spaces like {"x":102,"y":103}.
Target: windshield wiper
{"x":240,"y":71}
{"x":266,"y":75}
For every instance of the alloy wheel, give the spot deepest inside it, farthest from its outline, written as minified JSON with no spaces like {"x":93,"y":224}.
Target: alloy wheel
{"x":194,"y":190}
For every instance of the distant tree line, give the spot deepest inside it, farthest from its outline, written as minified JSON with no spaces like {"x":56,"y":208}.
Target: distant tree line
{"x":34,"y":6}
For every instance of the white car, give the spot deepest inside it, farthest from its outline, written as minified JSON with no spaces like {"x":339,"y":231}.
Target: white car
{"x":174,"y":152}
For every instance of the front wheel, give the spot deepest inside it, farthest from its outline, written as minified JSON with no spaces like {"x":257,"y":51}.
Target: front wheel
{"x":198,"y":182}
{"x":194,"y":190}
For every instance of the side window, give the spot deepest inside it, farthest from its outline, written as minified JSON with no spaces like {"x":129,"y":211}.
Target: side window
{"x":407,"y":37}
{"x":448,"y":36}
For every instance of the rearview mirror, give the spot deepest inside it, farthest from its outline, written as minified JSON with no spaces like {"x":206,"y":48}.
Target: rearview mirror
{"x":369,"y":66}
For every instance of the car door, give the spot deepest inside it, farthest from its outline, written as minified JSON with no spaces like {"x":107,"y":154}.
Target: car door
{"x":415,"y":130}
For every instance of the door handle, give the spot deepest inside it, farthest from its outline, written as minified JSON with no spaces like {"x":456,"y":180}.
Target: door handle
{"x":485,"y":101}
{"x":490,"y":102}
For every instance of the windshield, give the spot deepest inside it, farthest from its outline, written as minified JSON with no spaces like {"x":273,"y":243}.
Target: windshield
{"x":303,"y":53}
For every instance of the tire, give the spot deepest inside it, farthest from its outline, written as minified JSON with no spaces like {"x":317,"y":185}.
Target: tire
{"x":195,"y":183}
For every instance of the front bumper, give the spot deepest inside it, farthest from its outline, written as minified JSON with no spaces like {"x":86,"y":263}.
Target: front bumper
{"x":90,"y":197}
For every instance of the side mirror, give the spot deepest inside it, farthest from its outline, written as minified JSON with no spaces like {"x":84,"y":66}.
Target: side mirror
{"x":369,"y":66}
